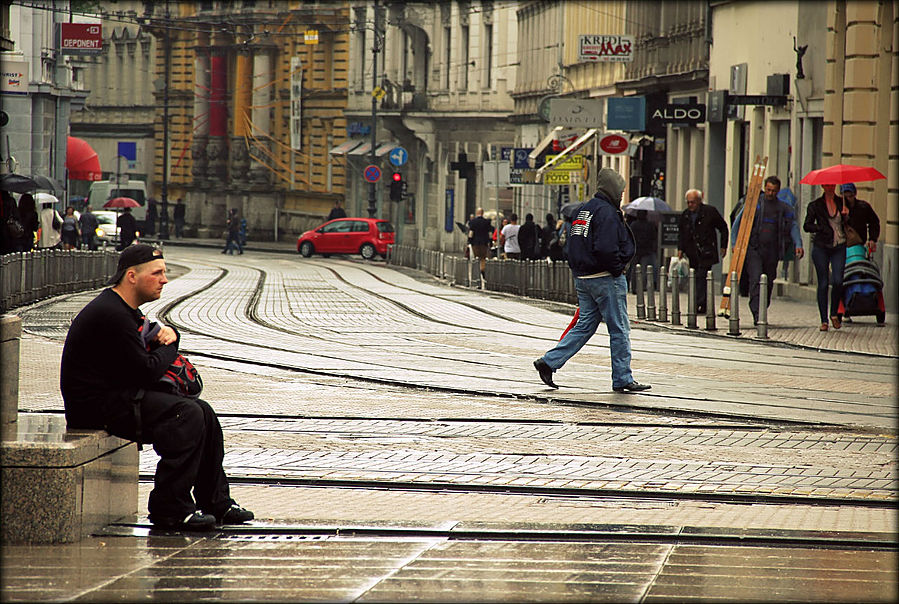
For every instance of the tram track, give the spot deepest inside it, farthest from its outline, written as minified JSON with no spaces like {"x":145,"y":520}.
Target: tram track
{"x":253,"y":314}
{"x":555,"y":492}
{"x":594,"y":533}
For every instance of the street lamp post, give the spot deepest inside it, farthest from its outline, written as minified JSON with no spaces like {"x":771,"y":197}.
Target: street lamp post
{"x":372,"y":190}
{"x":163,"y":226}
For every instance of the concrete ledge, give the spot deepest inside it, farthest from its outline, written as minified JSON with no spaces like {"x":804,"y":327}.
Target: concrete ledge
{"x":59,"y":486}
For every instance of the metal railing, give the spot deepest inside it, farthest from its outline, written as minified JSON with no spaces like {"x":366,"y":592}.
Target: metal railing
{"x":32,"y":276}
{"x":552,"y":281}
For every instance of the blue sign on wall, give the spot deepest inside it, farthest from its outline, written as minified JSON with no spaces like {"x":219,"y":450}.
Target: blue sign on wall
{"x":450,"y":210}
{"x":626,"y":113}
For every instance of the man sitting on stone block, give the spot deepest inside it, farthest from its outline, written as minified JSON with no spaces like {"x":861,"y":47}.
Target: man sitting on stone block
{"x":108,"y":377}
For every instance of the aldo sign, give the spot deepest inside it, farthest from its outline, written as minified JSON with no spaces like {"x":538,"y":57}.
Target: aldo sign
{"x":678,"y":114}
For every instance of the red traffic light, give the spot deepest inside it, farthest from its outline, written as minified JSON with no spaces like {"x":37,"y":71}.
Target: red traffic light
{"x":397,"y":177}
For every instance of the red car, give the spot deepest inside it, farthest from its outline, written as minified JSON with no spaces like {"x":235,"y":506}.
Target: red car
{"x":366,"y":236}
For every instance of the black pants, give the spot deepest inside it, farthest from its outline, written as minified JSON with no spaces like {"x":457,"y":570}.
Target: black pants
{"x":702,"y":290}
{"x":187,"y":435}
{"x":760,"y":262}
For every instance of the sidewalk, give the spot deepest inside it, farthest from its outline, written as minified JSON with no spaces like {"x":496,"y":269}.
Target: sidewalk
{"x":791,"y":321}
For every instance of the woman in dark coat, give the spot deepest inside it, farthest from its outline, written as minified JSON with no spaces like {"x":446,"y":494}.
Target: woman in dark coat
{"x":825,"y":218}
{"x":30,"y":221}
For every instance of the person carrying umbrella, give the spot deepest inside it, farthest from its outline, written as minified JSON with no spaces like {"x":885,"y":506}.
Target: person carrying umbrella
{"x":826,"y":219}
{"x":127,"y":229}
{"x":697,"y":241}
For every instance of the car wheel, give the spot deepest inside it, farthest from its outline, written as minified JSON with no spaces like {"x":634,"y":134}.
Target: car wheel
{"x":368,"y":251}
{"x":306,"y":249}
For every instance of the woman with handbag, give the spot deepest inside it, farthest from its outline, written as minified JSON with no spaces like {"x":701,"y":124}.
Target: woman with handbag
{"x":826,"y":219}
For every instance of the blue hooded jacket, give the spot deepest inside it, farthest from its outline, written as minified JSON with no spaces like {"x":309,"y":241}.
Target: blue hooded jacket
{"x":599,"y":240}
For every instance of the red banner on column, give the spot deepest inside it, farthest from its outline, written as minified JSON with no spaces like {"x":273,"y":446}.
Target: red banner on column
{"x":218,"y":111}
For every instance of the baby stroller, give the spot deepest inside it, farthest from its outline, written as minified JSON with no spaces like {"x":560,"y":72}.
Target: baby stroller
{"x":862,"y":286}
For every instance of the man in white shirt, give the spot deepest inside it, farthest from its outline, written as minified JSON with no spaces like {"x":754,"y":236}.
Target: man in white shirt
{"x":509,"y":238}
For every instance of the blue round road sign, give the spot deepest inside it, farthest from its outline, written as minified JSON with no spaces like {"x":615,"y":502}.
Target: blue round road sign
{"x":398,"y":156}
{"x":372,"y":173}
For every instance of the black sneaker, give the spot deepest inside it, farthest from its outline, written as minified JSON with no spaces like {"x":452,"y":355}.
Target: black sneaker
{"x":546,"y":373}
{"x":632,"y":387}
{"x":196,"y":521}
{"x":235,"y":515}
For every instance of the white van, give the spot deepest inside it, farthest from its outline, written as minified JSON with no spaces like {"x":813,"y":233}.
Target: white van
{"x":102,"y":191}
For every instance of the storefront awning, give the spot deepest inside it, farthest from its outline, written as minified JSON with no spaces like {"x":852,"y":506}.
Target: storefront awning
{"x":385,"y":148}
{"x":81,"y":160}
{"x":344,"y":148}
{"x":568,"y":151}
{"x":533,"y":155}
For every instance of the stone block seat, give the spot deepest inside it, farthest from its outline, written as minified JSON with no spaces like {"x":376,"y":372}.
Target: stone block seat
{"x":60,"y":485}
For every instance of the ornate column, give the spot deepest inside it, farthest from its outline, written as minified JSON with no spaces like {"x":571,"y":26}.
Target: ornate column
{"x":217,"y":149}
{"x":199,"y":163}
{"x":262,"y":94}
{"x":242,"y":93}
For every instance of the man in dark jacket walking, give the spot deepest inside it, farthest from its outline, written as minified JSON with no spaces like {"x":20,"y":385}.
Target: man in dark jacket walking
{"x":127,"y":228}
{"x":600,"y":245}
{"x":697,"y":240}
{"x":773,"y":228}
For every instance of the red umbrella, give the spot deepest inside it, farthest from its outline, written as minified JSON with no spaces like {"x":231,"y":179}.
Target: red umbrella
{"x":841,"y":174}
{"x":82,"y":161}
{"x":121,"y":202}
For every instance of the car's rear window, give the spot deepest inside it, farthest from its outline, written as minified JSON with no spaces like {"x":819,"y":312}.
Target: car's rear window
{"x":384,"y":227}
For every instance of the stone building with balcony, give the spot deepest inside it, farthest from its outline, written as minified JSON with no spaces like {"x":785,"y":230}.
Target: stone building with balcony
{"x":550,"y":67}
{"x":446,"y":70}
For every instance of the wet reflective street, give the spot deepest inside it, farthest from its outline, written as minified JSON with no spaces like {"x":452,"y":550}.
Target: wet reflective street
{"x":396,"y":444}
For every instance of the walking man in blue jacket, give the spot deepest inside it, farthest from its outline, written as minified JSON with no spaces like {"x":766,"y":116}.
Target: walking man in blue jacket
{"x":600,"y":245}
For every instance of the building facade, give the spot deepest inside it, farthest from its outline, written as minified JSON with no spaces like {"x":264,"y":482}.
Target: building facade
{"x":251,"y":97}
{"x":118,"y":113}
{"x":37,"y":93}
{"x":446,"y":70}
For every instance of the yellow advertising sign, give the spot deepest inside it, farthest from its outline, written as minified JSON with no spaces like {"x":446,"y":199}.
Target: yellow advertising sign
{"x":311,"y":36}
{"x":569,"y":162}
{"x":556,"y":177}
{"x":378,"y":93}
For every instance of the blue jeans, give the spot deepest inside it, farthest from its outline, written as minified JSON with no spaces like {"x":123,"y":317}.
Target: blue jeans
{"x":600,"y":299}
{"x":829,"y":264}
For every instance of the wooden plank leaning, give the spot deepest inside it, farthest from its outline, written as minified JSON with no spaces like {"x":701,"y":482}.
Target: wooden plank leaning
{"x":739,"y":255}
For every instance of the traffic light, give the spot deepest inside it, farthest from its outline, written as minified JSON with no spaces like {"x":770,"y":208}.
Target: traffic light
{"x":397,"y":187}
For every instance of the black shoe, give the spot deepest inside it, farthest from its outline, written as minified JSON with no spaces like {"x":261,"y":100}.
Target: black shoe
{"x":632,"y":387}
{"x":235,"y":515}
{"x":546,"y":373}
{"x":197,"y":521}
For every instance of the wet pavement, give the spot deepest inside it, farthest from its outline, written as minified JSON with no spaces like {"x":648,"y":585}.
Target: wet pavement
{"x":395,"y":445}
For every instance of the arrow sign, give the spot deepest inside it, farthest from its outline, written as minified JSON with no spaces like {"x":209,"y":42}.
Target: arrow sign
{"x":398,"y":156}
{"x":372,"y":173}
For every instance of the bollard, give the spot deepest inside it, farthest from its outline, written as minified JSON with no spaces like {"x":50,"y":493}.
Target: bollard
{"x":761,"y":327}
{"x":675,"y":298}
{"x":650,"y":293}
{"x":691,"y":299}
{"x":638,"y":279}
{"x":710,"y":302}
{"x":734,"y":322}
{"x":10,"y":334}
{"x":663,"y":294}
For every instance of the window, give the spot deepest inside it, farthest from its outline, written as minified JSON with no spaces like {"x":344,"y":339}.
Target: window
{"x":341,"y":226}
{"x":447,"y":56}
{"x":463,"y":67}
{"x":360,"y":226}
{"x":488,"y":55}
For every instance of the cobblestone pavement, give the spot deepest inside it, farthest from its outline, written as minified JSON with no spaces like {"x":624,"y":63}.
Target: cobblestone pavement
{"x":386,"y":402}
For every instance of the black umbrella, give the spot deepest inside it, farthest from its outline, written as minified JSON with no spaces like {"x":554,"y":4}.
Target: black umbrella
{"x":462,"y":227}
{"x":18,"y":183}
